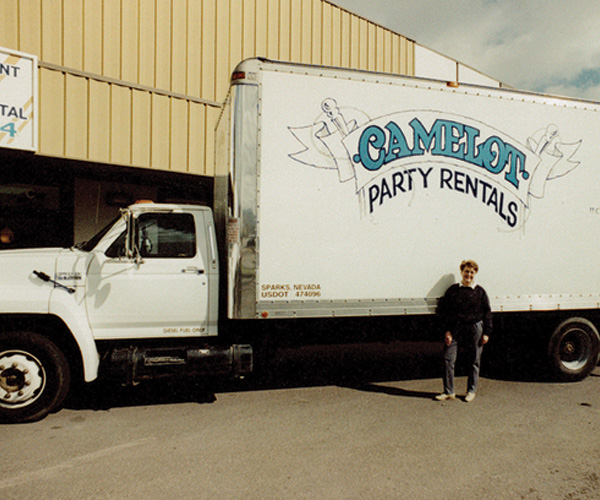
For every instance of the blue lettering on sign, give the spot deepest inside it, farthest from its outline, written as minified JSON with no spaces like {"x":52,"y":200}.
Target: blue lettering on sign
{"x":378,"y":146}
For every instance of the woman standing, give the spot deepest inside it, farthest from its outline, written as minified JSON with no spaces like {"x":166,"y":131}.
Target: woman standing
{"x":466,"y":318}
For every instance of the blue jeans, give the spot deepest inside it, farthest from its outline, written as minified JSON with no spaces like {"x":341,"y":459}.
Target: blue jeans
{"x":468,"y":336}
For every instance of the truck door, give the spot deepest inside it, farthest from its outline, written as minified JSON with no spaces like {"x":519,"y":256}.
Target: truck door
{"x":160,"y":291}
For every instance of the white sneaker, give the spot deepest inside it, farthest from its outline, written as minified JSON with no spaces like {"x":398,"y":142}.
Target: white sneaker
{"x":445,"y":397}
{"x":469,"y":397}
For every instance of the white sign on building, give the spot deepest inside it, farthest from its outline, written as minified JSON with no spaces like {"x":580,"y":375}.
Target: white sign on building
{"x":18,"y":100}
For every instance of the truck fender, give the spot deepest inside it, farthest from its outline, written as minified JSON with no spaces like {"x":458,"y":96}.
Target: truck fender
{"x":71,"y":309}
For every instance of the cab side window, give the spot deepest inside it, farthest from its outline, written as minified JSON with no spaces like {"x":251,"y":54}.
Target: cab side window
{"x":166,"y":236}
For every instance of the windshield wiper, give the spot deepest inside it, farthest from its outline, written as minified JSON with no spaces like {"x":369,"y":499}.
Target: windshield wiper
{"x":44,"y":277}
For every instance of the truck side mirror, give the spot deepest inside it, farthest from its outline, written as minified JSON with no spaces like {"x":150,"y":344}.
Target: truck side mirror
{"x":137,"y":256}
{"x":132,"y":252}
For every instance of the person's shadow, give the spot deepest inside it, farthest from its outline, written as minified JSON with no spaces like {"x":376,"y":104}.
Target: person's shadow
{"x":439,"y":289}
{"x":392,"y":391}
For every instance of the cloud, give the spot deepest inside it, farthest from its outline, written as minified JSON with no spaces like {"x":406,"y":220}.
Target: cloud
{"x":540,"y":45}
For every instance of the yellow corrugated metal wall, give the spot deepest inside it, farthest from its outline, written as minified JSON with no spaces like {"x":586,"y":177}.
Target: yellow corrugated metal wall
{"x":139,"y":82}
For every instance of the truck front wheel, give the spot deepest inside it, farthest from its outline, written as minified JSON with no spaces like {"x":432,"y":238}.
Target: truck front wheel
{"x":573,"y":349}
{"x":34,"y":377}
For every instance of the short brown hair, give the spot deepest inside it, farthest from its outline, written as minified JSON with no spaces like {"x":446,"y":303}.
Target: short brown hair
{"x":469,"y":263}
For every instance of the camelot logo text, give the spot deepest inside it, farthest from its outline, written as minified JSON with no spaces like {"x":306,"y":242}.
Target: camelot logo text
{"x":450,"y":139}
{"x":409,"y":150}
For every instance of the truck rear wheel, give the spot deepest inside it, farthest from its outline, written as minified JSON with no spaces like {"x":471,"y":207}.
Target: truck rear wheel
{"x":573,"y":349}
{"x":34,"y":377}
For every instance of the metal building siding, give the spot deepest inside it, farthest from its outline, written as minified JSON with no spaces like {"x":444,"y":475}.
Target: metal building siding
{"x":52,"y":113}
{"x":92,"y":14}
{"x":121,"y":80}
{"x":9,"y":34}
{"x":140,"y":128}
{"x":99,"y":121}
{"x":76,"y":117}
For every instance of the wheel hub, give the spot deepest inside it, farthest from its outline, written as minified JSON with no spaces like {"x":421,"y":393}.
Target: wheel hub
{"x":569,"y":348}
{"x":574,"y":351}
{"x":22,"y":379}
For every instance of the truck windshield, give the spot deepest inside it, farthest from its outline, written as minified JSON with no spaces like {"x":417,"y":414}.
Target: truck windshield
{"x":89,"y":245}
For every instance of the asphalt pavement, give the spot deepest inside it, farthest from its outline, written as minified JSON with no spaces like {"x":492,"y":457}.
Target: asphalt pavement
{"x":324,"y":423}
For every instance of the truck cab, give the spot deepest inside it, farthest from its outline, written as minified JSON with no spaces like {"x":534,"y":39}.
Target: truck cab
{"x":138,"y":300}
{"x":154,"y":274}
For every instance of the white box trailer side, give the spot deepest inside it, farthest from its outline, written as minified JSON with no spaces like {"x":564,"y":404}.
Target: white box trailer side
{"x":356,"y":194}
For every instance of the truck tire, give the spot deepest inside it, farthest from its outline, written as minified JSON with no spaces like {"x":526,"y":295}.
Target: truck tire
{"x":34,"y":377}
{"x":573,"y":349}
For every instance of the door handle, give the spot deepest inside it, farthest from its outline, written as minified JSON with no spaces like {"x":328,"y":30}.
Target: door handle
{"x":192,"y":269}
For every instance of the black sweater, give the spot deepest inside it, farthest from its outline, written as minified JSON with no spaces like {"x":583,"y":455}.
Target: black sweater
{"x":465,"y":305}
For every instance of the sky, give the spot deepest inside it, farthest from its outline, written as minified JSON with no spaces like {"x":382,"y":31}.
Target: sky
{"x":550,"y":46}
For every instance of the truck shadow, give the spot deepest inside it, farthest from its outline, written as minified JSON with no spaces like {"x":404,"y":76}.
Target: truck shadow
{"x":351,"y":365}
{"x":356,"y":366}
{"x":103,"y":395}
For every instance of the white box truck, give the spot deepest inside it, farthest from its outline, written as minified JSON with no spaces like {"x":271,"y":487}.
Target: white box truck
{"x":344,"y":202}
